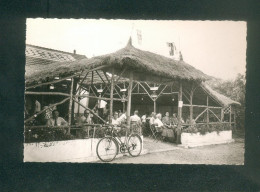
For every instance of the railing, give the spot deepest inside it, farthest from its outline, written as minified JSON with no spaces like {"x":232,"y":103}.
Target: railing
{"x":38,"y":133}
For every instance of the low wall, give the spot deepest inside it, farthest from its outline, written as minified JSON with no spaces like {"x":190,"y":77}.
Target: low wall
{"x":80,"y":150}
{"x":196,"y":139}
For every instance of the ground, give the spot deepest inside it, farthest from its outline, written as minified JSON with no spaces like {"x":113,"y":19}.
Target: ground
{"x":167,"y":153}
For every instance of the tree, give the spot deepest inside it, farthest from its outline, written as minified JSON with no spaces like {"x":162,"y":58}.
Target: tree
{"x":234,"y":89}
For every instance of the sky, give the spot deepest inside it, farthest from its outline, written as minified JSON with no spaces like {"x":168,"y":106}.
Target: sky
{"x":217,"y":48}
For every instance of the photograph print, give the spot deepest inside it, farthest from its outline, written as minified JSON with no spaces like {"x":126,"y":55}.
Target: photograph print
{"x":135,"y":91}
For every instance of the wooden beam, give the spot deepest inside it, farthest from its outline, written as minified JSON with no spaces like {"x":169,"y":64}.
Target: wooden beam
{"x":214,"y":115}
{"x":105,"y":90}
{"x":92,"y":77}
{"x":122,"y":72}
{"x":40,"y":112}
{"x":161,"y":92}
{"x":200,"y":114}
{"x":45,"y":93}
{"x":184,"y":94}
{"x":111,"y":96}
{"x":97,"y":97}
{"x":63,"y":79}
{"x":51,"y":82}
{"x":106,"y":76}
{"x":134,"y":87}
{"x":70,"y":104}
{"x":81,"y":82}
{"x":93,"y":91}
{"x":100,"y":77}
{"x":129,"y":98}
{"x":90,"y":110}
{"x":146,"y":91}
{"x":117,"y":92}
{"x":203,"y":106}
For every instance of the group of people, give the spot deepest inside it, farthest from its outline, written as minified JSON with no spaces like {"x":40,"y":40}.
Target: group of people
{"x":167,"y":126}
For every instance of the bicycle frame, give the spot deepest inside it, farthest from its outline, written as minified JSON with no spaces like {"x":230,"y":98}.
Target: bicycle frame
{"x":117,"y":138}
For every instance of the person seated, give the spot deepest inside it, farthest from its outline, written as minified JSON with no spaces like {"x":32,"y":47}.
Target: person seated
{"x":174,"y":120}
{"x":135,"y":118}
{"x":152,"y":119}
{"x":122,"y":118}
{"x":115,"y":119}
{"x":55,"y":120}
{"x":144,"y":117}
{"x":85,"y":119}
{"x":158,"y":123}
{"x":166,"y":120}
{"x":190,"y":122}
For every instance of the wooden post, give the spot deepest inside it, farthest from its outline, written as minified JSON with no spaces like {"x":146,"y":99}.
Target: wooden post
{"x":180,"y":99}
{"x":179,"y":127}
{"x":191,"y":107}
{"x":70,"y":104}
{"x":207,"y":111}
{"x":154,"y":106}
{"x":222,"y":115}
{"x":129,"y":99}
{"x":123,"y":107}
{"x":79,"y":100}
{"x":111,"y":97}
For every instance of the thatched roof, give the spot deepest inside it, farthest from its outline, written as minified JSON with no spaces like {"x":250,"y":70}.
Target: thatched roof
{"x":222,"y":99}
{"x":147,"y":66}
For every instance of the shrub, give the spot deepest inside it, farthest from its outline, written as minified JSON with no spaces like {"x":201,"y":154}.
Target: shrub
{"x":203,"y":129}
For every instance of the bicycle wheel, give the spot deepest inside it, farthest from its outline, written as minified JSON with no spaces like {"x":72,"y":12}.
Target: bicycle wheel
{"x":134,"y":145}
{"x":107,"y":149}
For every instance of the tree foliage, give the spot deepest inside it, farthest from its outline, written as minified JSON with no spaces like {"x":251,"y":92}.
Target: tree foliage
{"x":234,"y":89}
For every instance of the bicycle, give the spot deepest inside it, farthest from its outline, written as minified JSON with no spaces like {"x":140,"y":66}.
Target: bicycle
{"x":109,"y":146}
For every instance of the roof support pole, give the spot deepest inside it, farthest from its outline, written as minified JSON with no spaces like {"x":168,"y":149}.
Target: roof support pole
{"x":178,"y":140}
{"x":70,"y":104}
{"x":123,"y":107}
{"x":154,"y":106}
{"x":129,"y":98}
{"x":179,"y":102}
{"x":111,"y":96}
{"x":191,"y":107}
{"x":222,"y":115}
{"x":79,"y":90}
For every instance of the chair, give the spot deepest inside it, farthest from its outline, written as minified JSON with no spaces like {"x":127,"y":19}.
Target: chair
{"x":135,"y":127}
{"x":155,"y":132}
